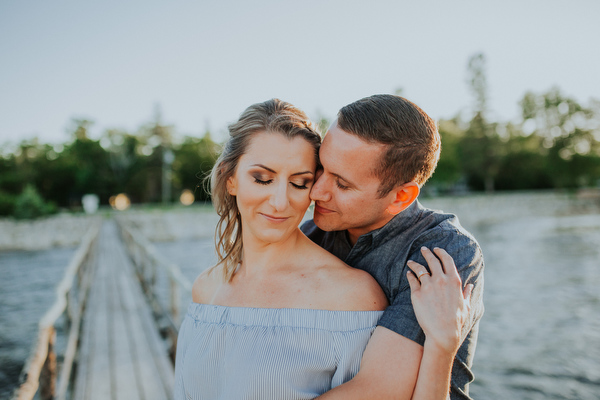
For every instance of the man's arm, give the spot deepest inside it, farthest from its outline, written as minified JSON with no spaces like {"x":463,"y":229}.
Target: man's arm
{"x":395,"y":367}
{"x":388,"y":370}
{"x":441,"y":312}
{"x":390,"y":367}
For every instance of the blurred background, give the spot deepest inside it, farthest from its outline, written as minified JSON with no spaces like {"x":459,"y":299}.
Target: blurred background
{"x":121,"y":107}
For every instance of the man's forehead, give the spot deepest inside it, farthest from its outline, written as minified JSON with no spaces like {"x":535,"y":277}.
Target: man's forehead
{"x":338,"y":140}
{"x":349,"y":157}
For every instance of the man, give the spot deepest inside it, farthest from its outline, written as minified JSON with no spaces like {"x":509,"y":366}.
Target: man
{"x":375,"y":158}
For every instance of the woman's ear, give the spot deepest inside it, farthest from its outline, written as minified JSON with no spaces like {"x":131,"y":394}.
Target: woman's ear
{"x":231,"y":186}
{"x":404,"y":196}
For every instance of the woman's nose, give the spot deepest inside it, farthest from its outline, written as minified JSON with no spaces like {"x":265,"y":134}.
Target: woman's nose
{"x":279,"y":198}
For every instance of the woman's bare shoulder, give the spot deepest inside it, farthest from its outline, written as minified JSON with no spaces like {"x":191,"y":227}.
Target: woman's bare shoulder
{"x":351,"y":288}
{"x":206,"y":284}
{"x":359,"y":290}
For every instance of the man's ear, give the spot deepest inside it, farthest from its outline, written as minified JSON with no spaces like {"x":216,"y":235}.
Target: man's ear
{"x":404,"y":196}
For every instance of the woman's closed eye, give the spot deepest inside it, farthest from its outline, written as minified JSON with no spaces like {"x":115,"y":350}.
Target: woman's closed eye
{"x":262,"y":181}
{"x":297,"y":182}
{"x":302,"y":186}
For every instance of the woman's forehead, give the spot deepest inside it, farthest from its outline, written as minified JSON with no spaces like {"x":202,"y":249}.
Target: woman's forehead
{"x":277,"y":149}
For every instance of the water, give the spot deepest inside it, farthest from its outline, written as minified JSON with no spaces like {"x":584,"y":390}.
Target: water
{"x":27,"y":290}
{"x":192,"y":255}
{"x":539,"y":337}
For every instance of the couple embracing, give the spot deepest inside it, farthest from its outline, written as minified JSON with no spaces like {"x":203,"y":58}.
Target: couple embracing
{"x":377,"y":297}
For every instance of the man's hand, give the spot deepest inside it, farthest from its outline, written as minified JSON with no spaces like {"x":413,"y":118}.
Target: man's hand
{"x":440,"y":304}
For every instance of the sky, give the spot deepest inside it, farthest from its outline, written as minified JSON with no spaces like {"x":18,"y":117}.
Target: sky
{"x":201,"y":63}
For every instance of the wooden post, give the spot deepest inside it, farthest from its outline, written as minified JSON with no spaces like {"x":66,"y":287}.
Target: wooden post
{"x":174,"y":316}
{"x":153,"y":276}
{"x":48,"y":373}
{"x":174,"y":300}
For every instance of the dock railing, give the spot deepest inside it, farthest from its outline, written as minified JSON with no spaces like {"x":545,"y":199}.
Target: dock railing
{"x":147,"y":262}
{"x":40,"y":371}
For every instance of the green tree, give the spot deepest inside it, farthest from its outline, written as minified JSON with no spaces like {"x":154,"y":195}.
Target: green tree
{"x":157,"y":140}
{"x":194,"y":159}
{"x":448,"y":172}
{"x":90,"y":160}
{"x":128,"y":162}
{"x":30,"y":204}
{"x":523,"y":166}
{"x":569,"y":136}
{"x":480,"y":148}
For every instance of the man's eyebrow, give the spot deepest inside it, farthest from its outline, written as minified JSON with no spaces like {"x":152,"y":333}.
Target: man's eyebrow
{"x":342,"y":178}
{"x":273,"y":172}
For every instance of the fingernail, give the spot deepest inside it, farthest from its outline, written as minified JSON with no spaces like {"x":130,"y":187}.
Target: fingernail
{"x":424,"y":248}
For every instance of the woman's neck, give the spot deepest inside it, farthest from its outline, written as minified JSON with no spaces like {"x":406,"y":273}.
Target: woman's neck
{"x":261,"y":257}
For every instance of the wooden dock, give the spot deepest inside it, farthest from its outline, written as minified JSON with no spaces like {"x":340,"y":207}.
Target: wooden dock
{"x":106,"y":299}
{"x":122,"y":355}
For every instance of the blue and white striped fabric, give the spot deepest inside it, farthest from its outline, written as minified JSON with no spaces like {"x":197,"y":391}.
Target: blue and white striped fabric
{"x":235,"y":353}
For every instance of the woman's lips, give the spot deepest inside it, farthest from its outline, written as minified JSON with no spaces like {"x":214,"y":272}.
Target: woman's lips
{"x":273,"y":218}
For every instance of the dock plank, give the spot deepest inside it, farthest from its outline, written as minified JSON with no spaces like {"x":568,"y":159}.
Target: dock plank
{"x":121,"y":353}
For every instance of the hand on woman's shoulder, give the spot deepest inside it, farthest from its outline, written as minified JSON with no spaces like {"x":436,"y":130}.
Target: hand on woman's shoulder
{"x":206,"y":284}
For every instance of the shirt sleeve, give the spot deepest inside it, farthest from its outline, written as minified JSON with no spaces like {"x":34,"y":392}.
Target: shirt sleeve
{"x":400,"y":316}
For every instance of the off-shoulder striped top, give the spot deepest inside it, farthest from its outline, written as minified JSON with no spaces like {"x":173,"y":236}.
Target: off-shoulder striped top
{"x":265,"y":353}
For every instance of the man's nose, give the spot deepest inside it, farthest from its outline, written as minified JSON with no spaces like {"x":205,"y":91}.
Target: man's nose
{"x":320,"y":191}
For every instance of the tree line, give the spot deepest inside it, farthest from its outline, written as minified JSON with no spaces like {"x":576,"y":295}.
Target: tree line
{"x":555,"y":145}
{"x":38,"y":178}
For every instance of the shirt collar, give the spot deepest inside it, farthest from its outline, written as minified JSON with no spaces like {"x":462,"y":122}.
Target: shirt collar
{"x":400,"y":223}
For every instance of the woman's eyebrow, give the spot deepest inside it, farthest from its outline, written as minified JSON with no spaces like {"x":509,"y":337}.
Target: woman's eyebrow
{"x":264,"y":167}
{"x":270,"y":170}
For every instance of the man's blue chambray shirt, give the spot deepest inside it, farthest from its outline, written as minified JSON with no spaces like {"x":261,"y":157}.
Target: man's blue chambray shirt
{"x":384,"y":253}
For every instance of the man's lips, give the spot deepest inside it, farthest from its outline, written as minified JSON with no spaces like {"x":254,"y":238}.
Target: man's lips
{"x":322,"y":210}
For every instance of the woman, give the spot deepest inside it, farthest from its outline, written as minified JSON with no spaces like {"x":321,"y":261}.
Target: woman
{"x":278,"y":317}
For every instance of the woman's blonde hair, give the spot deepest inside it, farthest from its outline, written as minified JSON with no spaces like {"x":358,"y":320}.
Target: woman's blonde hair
{"x":270,"y":116}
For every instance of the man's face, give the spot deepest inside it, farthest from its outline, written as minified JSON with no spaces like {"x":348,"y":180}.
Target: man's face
{"x":345,"y":194}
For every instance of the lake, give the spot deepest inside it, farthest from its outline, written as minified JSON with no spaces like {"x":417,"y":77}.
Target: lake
{"x":27,"y":289}
{"x":540,"y":334}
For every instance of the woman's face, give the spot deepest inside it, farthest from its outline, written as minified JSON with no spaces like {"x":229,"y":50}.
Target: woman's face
{"x":272,"y":183}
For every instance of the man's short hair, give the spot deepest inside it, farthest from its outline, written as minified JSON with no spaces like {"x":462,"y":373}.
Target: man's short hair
{"x":412,"y":139}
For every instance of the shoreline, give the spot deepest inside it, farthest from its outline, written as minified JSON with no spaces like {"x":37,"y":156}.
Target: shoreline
{"x":199,"y":221}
